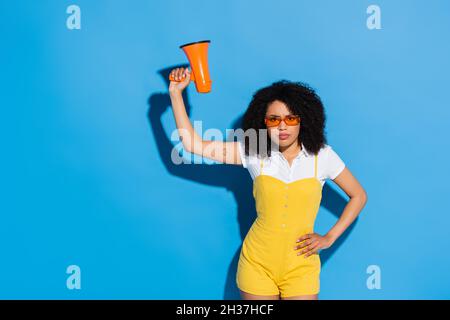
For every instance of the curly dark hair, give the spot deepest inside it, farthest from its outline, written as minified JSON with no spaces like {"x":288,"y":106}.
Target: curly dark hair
{"x":300,"y":99}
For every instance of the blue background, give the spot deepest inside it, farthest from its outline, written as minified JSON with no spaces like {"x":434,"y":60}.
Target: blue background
{"x":86,"y":125}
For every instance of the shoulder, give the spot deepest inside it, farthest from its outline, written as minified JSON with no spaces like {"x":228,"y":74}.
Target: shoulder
{"x":246,"y":159}
{"x":330,"y":162}
{"x":250,"y":161}
{"x":323,"y":151}
{"x":326,"y":150}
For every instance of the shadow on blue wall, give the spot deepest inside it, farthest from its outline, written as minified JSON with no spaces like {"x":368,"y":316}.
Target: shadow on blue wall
{"x":231,"y":177}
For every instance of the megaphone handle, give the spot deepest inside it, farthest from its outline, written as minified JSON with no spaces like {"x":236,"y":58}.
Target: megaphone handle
{"x":171,"y":78}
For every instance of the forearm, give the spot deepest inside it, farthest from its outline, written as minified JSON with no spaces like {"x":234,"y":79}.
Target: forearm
{"x":190,"y":139}
{"x":349,"y":214}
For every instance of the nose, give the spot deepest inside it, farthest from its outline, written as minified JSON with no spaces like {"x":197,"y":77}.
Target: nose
{"x":282,"y":125}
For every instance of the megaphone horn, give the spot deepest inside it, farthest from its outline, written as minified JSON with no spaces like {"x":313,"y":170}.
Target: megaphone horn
{"x":197,"y":54}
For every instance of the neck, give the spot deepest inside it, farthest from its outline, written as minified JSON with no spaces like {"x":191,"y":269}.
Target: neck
{"x":291,"y":150}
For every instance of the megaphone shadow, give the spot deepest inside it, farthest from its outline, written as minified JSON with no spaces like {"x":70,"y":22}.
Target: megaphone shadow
{"x":234,"y":178}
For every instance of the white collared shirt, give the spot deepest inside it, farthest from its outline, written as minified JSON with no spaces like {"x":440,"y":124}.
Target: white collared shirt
{"x":329,"y":164}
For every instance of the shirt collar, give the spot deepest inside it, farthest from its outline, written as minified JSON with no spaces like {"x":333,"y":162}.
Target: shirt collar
{"x":302,"y":152}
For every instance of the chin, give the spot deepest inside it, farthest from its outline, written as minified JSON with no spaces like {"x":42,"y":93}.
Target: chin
{"x":285,"y":143}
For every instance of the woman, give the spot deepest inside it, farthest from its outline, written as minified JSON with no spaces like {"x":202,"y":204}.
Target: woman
{"x":280,"y":253}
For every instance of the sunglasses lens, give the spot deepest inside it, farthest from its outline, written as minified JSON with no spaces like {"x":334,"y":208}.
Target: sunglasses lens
{"x":292,"y":121}
{"x":272,"y":122}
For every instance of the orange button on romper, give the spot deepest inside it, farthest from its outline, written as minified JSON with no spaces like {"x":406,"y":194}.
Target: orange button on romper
{"x":268,"y":263}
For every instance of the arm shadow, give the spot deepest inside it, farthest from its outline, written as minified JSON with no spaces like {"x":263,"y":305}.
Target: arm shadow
{"x":231,"y":177}
{"x":334,"y":203}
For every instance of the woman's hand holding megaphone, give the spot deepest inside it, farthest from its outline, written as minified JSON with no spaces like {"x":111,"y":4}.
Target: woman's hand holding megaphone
{"x":179,"y":84}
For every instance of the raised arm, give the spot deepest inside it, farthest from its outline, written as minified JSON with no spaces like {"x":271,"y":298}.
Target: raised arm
{"x":223,"y":151}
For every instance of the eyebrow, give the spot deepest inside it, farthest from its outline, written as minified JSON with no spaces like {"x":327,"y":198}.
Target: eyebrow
{"x":275,"y":115}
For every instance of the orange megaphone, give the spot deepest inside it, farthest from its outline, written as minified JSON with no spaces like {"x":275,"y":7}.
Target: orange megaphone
{"x":197,"y":54}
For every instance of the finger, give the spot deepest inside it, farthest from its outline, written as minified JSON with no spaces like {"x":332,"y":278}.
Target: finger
{"x":182,"y":73}
{"x":303,"y":244}
{"x":307,"y":237}
{"x":304,"y":237}
{"x":186,"y":73}
{"x":312,"y":242}
{"x":312,"y":251}
{"x":174,"y":74}
{"x":307,"y":249}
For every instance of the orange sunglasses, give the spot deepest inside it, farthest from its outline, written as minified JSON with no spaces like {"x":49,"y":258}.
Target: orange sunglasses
{"x":290,"y":120}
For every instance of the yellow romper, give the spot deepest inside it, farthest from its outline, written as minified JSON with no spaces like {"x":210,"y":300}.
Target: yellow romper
{"x":268,"y":263}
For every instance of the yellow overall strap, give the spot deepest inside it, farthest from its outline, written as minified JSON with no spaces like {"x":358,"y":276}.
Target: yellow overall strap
{"x":262,"y":165}
{"x":315,"y":166}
